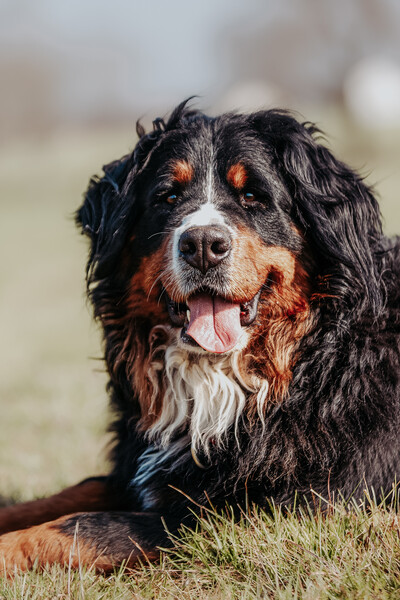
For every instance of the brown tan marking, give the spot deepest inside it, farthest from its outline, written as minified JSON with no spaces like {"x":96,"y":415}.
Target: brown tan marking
{"x":131,"y":349}
{"x":282,"y":322}
{"x":145,"y":301}
{"x":252,"y":262}
{"x":145,"y":289}
{"x":237,"y":176}
{"x":128,"y":326}
{"x":283,"y":315}
{"x":143,"y":309}
{"x":183,"y":172}
{"x":46,"y":544}
{"x":150,"y":392}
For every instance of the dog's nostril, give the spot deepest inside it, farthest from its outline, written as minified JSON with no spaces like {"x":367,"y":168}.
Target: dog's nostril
{"x":188,"y":247}
{"x":220,"y":247}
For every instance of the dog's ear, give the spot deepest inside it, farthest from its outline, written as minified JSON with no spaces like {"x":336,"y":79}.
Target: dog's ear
{"x":102,"y":211}
{"x":335,"y":208}
{"x":109,"y":206}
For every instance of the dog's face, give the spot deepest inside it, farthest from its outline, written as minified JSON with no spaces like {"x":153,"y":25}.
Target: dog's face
{"x":228,"y":231}
{"x":214,"y":232}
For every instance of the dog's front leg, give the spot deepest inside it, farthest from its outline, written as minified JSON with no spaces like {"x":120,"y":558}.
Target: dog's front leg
{"x":102,"y":540}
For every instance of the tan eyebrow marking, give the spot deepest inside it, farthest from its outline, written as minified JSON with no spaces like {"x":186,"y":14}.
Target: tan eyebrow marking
{"x":183,"y":172}
{"x":237,"y":176}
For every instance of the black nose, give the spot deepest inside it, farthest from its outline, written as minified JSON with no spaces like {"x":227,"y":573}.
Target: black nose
{"x":205,"y":247}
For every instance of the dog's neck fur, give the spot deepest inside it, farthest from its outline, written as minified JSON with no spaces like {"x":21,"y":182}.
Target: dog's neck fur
{"x":202,"y":395}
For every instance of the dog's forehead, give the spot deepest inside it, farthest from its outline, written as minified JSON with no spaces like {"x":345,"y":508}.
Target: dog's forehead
{"x":218,"y":143}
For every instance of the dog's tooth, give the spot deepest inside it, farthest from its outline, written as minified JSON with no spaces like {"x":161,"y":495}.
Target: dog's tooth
{"x":188,"y":315}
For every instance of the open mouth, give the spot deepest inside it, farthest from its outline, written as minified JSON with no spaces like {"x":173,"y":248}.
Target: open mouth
{"x":211,"y":321}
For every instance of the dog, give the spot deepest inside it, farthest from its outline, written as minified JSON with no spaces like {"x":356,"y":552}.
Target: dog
{"x":250,"y":308}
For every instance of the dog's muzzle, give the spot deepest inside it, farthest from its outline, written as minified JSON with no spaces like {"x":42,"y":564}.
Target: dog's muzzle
{"x":209,"y":317}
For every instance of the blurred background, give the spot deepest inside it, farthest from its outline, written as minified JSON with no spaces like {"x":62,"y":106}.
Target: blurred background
{"x":74,"y":77}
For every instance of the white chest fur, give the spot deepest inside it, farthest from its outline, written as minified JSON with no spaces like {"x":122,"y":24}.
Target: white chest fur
{"x":204,"y":394}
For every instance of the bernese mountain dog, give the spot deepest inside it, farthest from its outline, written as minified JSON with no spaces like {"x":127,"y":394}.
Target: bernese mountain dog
{"x":250,"y":308}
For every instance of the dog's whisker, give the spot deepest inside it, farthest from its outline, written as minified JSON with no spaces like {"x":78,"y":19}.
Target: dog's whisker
{"x":157,"y":233}
{"x":156,"y":280}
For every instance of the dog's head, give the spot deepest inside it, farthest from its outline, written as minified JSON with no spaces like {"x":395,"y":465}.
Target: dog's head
{"x":229,"y":230}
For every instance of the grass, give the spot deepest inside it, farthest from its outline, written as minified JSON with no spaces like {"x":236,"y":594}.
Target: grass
{"x":343,"y":554}
{"x":54,"y":407}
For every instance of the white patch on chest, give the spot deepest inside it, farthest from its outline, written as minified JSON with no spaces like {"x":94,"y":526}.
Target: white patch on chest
{"x":204,"y":395}
{"x":204,"y":399}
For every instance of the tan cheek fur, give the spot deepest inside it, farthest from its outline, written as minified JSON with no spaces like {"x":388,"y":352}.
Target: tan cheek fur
{"x":145,"y":289}
{"x":252,"y":261}
{"x":131,"y":348}
{"x":283,"y":314}
{"x":145,"y":301}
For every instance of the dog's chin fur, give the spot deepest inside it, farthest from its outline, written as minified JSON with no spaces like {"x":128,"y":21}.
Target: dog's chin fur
{"x":205,"y":394}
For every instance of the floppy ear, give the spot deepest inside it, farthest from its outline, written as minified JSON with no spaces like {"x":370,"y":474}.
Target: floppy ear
{"x":102,"y":214}
{"x":337,"y":211}
{"x":109,"y":206}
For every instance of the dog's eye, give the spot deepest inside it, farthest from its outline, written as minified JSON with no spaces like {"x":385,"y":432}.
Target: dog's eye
{"x":248,"y":198}
{"x":171,"y":199}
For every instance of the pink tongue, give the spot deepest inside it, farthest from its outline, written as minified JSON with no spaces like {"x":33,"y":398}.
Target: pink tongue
{"x":214,"y":323}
